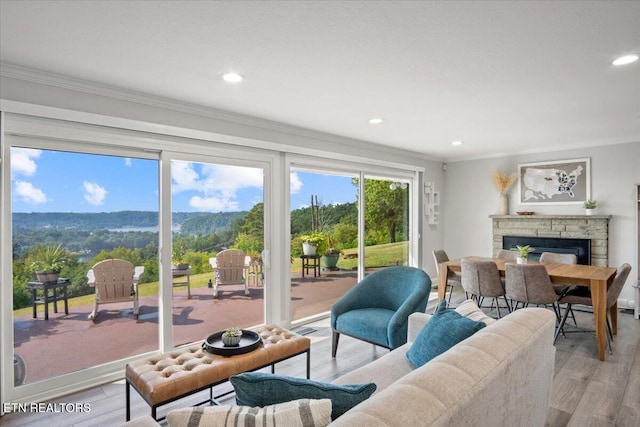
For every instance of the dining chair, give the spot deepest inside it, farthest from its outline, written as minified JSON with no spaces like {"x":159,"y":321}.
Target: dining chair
{"x":560,"y":258}
{"x":530,"y":284}
{"x":482,"y":279}
{"x":454,"y":279}
{"x":507,"y":254}
{"x":582,"y":295}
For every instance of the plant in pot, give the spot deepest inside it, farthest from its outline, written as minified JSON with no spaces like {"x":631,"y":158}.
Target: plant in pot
{"x":331,"y":257}
{"x":523,"y":252}
{"x":178,"y":252}
{"x":314,"y":243}
{"x":590,"y":206}
{"x":50,"y":260}
{"x":231,"y":337}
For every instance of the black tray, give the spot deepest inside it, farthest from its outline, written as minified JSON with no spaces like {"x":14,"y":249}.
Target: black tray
{"x":249,"y":342}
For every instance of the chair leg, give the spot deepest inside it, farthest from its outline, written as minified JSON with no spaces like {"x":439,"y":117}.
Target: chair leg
{"x":334,"y":343}
{"x":562,"y":322}
{"x":450,"y":293}
{"x":495,"y":299}
{"x":506,"y":301}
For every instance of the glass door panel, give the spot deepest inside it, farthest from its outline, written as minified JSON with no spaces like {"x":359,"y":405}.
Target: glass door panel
{"x":216,"y":208}
{"x":323,"y":206}
{"x":386,"y":212}
{"x":71,"y":210}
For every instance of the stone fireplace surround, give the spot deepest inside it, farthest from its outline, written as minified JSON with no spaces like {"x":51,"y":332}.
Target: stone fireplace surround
{"x":594,"y":227}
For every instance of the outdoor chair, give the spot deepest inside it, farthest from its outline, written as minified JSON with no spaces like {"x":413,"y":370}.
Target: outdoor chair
{"x":229,"y":268}
{"x":377,"y":309}
{"x":115,"y":281}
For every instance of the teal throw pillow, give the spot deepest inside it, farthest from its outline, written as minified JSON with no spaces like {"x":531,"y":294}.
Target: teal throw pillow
{"x":262,"y":389}
{"x":444,"y":329}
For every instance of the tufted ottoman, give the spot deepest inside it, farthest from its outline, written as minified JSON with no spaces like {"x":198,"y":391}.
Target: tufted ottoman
{"x":170,"y":376}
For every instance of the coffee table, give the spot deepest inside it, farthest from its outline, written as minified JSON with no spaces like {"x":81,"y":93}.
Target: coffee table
{"x":168,"y":377}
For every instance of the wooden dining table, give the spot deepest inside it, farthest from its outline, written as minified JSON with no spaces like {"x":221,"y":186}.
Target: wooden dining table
{"x":598,"y":279}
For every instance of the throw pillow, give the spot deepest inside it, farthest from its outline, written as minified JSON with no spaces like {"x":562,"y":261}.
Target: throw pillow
{"x":297,"y":413}
{"x":261,"y":389}
{"x":470,"y":310}
{"x":444,"y":329}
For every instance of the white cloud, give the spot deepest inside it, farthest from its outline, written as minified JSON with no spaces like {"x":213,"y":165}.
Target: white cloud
{"x":217,"y":185}
{"x":94,"y":193}
{"x":295,"y":185}
{"x":22,"y":161}
{"x":28,"y":193}
{"x":127,"y":161}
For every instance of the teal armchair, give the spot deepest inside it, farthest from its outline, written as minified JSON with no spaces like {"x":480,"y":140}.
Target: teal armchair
{"x":377,"y":309}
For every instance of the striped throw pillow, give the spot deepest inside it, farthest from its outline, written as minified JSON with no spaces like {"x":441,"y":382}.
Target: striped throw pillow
{"x":296,"y":413}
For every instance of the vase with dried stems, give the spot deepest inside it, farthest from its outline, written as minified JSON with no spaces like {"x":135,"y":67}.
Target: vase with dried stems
{"x":503,"y":183}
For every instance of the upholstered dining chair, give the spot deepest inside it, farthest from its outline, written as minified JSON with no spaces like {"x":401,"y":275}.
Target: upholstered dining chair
{"x":582,"y":295}
{"x":377,"y":309}
{"x":560,"y":258}
{"x":481,"y":279}
{"x":530,"y":284}
{"x":454,"y":279}
{"x":507,"y":254}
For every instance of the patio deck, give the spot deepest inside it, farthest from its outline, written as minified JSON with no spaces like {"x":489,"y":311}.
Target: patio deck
{"x":67,"y":343}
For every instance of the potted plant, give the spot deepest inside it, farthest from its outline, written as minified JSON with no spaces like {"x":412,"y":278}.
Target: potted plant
{"x":49,"y":262}
{"x":314,"y":243}
{"x":331,"y":257}
{"x":178,"y":252}
{"x":231,"y":336}
{"x":523,"y":252}
{"x":590,"y":206}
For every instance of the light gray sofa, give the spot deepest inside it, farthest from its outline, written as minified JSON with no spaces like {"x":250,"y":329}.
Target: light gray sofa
{"x":500,"y":376}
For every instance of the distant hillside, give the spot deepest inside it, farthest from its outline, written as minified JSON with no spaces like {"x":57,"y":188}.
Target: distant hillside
{"x":190,"y":222}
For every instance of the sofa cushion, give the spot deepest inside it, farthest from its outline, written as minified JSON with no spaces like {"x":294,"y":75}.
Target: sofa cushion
{"x":445,"y":329}
{"x":298,"y":413}
{"x":261,"y":389}
{"x":470,"y":309}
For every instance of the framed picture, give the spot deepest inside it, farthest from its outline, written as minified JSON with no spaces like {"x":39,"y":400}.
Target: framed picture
{"x":563,"y":182}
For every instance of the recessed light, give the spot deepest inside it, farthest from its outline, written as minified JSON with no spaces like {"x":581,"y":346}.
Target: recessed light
{"x":456,"y":143}
{"x":232,"y":77}
{"x":375,"y":121}
{"x":624,"y":60}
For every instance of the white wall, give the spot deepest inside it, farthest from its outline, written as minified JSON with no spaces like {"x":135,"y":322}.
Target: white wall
{"x":469,"y":199}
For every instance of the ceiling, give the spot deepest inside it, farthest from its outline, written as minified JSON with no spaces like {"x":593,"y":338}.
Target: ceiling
{"x":504,"y":77}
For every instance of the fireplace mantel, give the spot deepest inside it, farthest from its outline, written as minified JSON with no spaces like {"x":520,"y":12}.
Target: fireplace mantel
{"x":594,"y":227}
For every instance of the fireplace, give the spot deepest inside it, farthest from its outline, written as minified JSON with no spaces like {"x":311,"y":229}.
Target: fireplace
{"x":593,"y":229}
{"x":581,"y":248}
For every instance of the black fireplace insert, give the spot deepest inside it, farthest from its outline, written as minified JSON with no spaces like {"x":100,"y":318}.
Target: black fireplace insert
{"x":579,"y":247}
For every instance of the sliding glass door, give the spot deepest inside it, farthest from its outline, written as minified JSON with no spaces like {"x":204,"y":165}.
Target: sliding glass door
{"x":358,"y":222}
{"x":70,"y":210}
{"x":217,"y":217}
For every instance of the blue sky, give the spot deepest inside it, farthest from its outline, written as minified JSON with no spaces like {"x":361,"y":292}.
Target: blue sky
{"x":56,"y":181}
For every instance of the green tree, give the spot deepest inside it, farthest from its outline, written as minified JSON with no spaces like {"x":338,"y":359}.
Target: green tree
{"x":384,"y":207}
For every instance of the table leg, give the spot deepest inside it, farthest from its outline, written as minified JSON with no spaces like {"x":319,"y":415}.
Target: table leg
{"x":599,"y":301}
{"x":55,"y":299}
{"x":35,"y":306}
{"x":66,"y":303}
{"x":443,"y":274}
{"x":46,"y":303}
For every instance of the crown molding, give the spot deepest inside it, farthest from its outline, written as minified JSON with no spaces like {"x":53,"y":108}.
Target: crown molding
{"x":93,"y":88}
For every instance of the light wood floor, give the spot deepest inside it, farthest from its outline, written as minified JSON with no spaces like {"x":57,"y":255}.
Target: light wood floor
{"x":586,"y":392}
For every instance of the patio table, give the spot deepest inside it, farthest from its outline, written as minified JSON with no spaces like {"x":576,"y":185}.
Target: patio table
{"x":49,"y":294}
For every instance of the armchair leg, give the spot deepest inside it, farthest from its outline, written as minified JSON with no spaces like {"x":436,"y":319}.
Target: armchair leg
{"x":334,"y":343}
